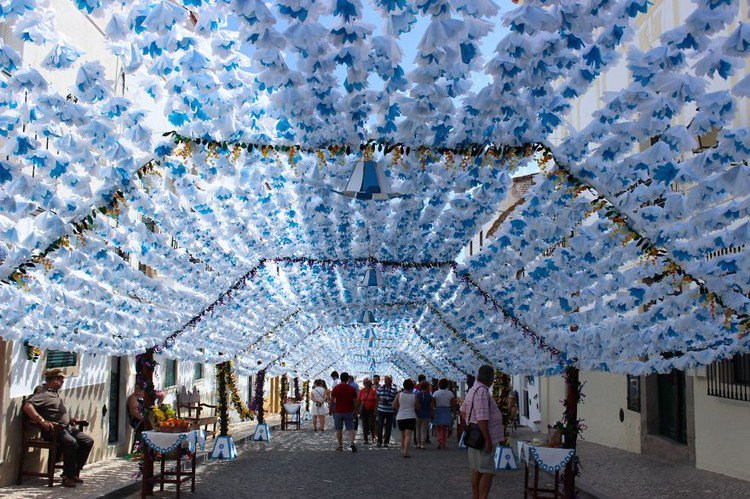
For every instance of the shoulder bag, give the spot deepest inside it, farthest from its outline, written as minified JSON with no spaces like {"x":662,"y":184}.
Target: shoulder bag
{"x":473,"y":436}
{"x":318,"y":401}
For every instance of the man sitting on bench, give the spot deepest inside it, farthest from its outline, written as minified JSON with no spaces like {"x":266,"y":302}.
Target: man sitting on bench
{"x":46,"y":408}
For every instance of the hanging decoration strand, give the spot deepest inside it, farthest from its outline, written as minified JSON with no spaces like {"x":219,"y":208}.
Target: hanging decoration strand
{"x":536,"y":338}
{"x":468,"y":149}
{"x":223,"y":297}
{"x":647,"y":246}
{"x":79,"y":226}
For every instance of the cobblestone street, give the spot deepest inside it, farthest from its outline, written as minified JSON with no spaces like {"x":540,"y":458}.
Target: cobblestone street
{"x":304,"y":464}
{"x":298,"y":464}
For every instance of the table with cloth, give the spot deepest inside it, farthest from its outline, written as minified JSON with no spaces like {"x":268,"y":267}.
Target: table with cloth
{"x":170,"y":447}
{"x":550,"y":459}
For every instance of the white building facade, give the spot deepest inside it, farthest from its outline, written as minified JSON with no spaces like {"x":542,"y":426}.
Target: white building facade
{"x":699,"y":416}
{"x":97,"y":386}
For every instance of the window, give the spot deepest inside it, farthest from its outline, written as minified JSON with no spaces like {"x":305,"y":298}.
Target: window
{"x":69,"y":362}
{"x":58,"y":358}
{"x":634,"y":393}
{"x":198,"y":370}
{"x":170,"y":373}
{"x":730,"y":379}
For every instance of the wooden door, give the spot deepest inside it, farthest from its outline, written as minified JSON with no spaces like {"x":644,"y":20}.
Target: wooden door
{"x":672,"y":410}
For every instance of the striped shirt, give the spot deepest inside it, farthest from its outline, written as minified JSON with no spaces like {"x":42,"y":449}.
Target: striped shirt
{"x":478,"y":406}
{"x":385,"y":398}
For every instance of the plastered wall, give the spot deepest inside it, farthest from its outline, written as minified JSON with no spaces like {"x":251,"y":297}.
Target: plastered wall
{"x":722,"y":433}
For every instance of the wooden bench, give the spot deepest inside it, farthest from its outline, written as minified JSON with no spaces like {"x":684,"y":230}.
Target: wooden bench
{"x":31,"y":439}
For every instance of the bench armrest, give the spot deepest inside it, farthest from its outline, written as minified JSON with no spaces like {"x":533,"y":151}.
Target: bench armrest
{"x":81,"y":424}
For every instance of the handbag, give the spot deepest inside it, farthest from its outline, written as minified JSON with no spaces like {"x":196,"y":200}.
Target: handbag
{"x":473,"y":436}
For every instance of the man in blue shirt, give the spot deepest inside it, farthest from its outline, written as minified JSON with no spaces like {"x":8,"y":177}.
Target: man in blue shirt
{"x":386,"y":394}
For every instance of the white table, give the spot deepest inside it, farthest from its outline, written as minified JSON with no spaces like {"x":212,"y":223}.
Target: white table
{"x":169,"y":446}
{"x":164,"y":443}
{"x":551,"y":459}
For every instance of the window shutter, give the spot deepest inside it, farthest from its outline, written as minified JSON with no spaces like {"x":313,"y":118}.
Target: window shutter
{"x":58,"y":358}
{"x":170,"y":376}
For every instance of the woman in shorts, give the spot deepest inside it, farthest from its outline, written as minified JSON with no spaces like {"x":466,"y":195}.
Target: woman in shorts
{"x":407,"y":405}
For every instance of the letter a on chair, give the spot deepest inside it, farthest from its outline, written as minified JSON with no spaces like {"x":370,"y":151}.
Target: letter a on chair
{"x":262,"y":433}
{"x":224,"y":448}
{"x":505,"y":459}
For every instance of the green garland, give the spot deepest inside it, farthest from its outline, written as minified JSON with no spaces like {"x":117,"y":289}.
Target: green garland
{"x":306,"y":394}
{"x":245,"y":413}
{"x":456,"y":334}
{"x":501,"y":394}
{"x":222,"y":374}
{"x":471,"y":150}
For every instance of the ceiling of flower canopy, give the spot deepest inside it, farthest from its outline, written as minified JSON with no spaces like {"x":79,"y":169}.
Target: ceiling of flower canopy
{"x":254,"y":232}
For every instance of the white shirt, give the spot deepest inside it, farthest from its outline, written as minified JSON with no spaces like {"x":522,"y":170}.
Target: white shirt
{"x":443,"y":398}
{"x":406,"y":408}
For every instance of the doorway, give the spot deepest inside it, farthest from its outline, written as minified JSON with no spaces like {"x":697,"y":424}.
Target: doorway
{"x":672,"y":409}
{"x":114,"y":400}
{"x":668,"y":416}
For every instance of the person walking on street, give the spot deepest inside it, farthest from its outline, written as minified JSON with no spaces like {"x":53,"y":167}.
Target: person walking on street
{"x":334,"y":382}
{"x":424,"y":414}
{"x":480,"y":408}
{"x":319,"y":396}
{"x":442,"y":401}
{"x":354,"y":385}
{"x":407,"y":405}
{"x":344,"y":400}
{"x":368,"y":406}
{"x":386,"y":394}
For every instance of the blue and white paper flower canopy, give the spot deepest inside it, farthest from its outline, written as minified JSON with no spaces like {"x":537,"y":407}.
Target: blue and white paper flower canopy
{"x":368,"y":182}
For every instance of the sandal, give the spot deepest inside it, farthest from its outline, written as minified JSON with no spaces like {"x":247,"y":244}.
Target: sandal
{"x":339,"y":449}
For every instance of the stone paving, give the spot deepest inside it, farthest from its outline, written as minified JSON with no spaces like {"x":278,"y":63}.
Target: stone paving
{"x":305,"y":464}
{"x":617,"y":474}
{"x":297,"y":464}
